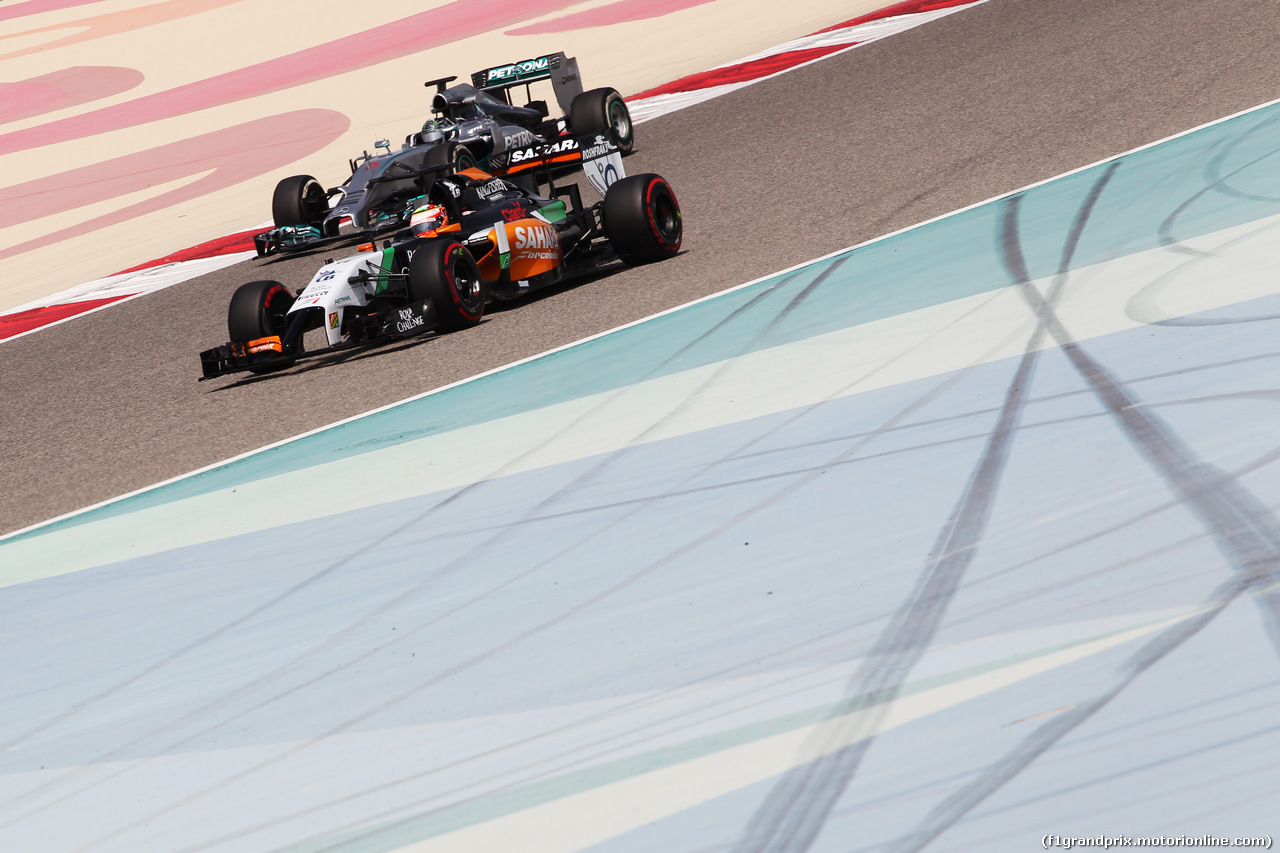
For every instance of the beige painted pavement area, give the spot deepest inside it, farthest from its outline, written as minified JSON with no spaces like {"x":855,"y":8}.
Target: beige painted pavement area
{"x":179,"y":42}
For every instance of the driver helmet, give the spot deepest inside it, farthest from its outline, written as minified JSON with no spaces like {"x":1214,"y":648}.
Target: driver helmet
{"x":428,"y":218}
{"x":430,"y":134}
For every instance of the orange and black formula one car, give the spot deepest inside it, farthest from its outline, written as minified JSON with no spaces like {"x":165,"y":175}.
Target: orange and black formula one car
{"x":470,"y":239}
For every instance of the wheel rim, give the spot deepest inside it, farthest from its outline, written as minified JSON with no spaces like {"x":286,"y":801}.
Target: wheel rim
{"x":462,"y":160}
{"x":466,"y":284}
{"x":275,"y":308}
{"x":315,"y":202}
{"x":665,"y":217}
{"x":620,"y":120}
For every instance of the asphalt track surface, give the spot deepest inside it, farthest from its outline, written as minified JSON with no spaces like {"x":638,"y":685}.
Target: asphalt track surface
{"x":870,"y":141}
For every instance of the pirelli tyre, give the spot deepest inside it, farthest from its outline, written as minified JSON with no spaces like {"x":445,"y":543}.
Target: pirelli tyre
{"x":258,"y":310}
{"x":642,"y":219}
{"x":449,"y":153}
{"x":445,"y":275}
{"x":598,"y":110}
{"x":299,"y":200}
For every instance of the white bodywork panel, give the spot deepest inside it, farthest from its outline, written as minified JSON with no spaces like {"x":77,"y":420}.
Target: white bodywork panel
{"x":602,"y":164}
{"x":332,"y":290}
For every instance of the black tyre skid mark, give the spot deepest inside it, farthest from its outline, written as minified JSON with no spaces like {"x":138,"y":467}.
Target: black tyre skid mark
{"x":1243,"y":529}
{"x":797,"y":808}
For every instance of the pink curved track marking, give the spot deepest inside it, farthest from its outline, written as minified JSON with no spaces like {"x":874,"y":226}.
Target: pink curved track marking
{"x":69,"y":87}
{"x":452,"y":22}
{"x":35,"y":7}
{"x":765,"y":65}
{"x":621,"y":12}
{"x":101,"y":26}
{"x":235,"y":154}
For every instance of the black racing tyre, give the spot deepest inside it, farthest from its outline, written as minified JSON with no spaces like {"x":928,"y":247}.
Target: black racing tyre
{"x":257,"y":310}
{"x":299,"y":200}
{"x":599,"y":110}
{"x":446,"y":275}
{"x":459,"y":156}
{"x":463,"y":159}
{"x":642,"y":219}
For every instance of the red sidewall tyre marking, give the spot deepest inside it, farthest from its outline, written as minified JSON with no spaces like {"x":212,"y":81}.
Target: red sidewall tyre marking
{"x":648,"y":210}
{"x":453,"y":283}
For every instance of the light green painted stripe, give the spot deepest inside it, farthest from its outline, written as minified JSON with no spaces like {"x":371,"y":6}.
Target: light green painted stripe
{"x":395,"y":834}
{"x":554,"y":212}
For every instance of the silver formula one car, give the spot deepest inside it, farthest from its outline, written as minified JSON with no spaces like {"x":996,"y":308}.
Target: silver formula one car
{"x":475,"y":124}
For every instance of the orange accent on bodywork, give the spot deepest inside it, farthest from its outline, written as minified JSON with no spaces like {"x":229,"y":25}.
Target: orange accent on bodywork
{"x":446,"y":229}
{"x":271,"y":343}
{"x":535,"y":248}
{"x":570,"y":157}
{"x":488,"y":262}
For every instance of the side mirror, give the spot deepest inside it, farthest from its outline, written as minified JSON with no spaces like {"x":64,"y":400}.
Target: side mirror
{"x":540,"y":106}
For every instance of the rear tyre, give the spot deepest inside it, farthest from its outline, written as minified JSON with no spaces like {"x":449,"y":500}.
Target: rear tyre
{"x":642,"y":219}
{"x":463,"y":159}
{"x":299,"y":200}
{"x":449,"y":153}
{"x":599,"y":110}
{"x":446,"y":275}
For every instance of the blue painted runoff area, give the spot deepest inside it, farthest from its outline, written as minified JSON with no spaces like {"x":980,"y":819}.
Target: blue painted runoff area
{"x":1026,"y":584}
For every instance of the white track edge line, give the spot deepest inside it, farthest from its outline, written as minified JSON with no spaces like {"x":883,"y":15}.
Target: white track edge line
{"x":21,"y":309}
{"x":70,"y":317}
{"x":651,"y":317}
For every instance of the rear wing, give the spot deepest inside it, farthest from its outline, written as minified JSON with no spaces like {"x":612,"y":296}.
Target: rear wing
{"x":561,"y":70}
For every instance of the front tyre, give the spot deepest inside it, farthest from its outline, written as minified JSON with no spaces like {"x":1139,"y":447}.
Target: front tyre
{"x":600,"y":110}
{"x":258,"y":310}
{"x":642,"y":219}
{"x":299,"y":200}
{"x":446,"y":275}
